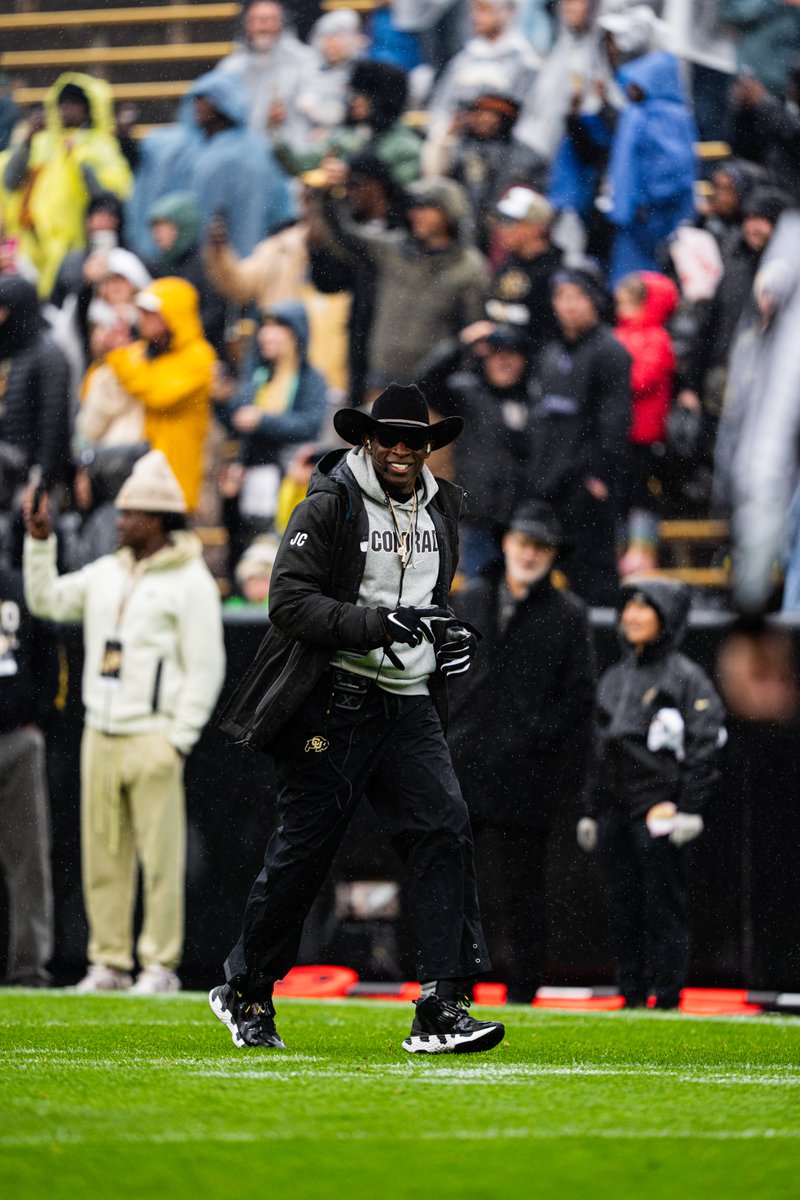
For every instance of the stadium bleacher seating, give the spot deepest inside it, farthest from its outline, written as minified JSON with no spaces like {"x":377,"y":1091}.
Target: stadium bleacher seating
{"x":149,"y":53}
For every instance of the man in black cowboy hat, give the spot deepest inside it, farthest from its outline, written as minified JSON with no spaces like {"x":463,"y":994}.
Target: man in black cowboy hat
{"x":520,"y":734}
{"x":348,"y":695}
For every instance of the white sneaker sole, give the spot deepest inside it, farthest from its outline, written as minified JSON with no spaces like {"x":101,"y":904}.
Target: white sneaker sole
{"x":455,"y":1043}
{"x":93,"y":986}
{"x":155,"y":988}
{"x":224,"y":1014}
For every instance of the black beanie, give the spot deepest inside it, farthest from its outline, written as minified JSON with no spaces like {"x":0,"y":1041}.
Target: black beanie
{"x":386,"y":86}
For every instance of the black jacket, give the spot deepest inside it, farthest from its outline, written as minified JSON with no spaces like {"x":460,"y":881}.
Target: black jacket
{"x":582,"y":416}
{"x":491,"y":454}
{"x":719,"y":317}
{"x":313,"y":601}
{"x":630,"y":776}
{"x":769,"y":133}
{"x":28,"y":660}
{"x":520,"y":295}
{"x":486,"y":168}
{"x":34,"y":409}
{"x":521,"y":718}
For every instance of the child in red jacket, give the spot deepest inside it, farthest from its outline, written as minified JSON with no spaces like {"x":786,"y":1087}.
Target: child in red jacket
{"x":645,"y":301}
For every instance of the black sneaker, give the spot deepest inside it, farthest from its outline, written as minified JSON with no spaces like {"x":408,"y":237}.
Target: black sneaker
{"x":443,"y":1026}
{"x":251,"y":1022}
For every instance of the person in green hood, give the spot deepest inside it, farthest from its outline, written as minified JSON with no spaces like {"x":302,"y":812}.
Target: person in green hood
{"x":175,"y":227}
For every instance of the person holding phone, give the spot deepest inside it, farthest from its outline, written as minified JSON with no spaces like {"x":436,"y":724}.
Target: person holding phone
{"x":153,"y":666}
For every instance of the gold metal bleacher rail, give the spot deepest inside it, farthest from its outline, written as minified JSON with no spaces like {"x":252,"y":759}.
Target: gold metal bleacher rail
{"x":135,"y":15}
{"x":171,"y":90}
{"x":694,"y":531}
{"x":111,"y":55}
{"x":710,"y":577}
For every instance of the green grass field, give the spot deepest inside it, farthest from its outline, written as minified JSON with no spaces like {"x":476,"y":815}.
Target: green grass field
{"x":117,"y":1097}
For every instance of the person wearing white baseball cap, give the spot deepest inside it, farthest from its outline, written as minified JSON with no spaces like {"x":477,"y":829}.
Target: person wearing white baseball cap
{"x":153,"y":667}
{"x":520,"y":291}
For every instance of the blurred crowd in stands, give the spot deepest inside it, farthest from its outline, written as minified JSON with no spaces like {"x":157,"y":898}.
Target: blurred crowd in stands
{"x":507,"y":203}
{"x":575,"y":224}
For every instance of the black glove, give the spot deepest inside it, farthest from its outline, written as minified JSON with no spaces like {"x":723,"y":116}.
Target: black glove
{"x":457,"y":646}
{"x":407,"y":625}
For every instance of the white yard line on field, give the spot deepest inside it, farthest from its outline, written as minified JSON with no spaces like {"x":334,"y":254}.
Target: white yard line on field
{"x":106,"y":1137}
{"x":287,"y":1065}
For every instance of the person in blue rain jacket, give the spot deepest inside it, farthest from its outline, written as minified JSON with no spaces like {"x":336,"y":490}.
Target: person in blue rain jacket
{"x":211,"y":154}
{"x":653,"y":163}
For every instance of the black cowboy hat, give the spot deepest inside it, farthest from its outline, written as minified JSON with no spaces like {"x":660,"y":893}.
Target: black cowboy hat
{"x":399,"y":410}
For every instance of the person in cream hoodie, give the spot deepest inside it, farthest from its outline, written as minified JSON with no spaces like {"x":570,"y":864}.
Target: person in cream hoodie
{"x":153,"y":667}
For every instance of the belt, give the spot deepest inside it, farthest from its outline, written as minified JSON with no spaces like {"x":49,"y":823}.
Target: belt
{"x":348,"y":690}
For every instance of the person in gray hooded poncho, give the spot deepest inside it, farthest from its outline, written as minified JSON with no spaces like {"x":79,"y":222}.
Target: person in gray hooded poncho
{"x":271,"y":66}
{"x":211,"y":154}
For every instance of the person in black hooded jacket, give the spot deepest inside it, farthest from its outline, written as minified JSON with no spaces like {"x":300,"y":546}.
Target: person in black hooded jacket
{"x":34,"y":415}
{"x":660,"y":725}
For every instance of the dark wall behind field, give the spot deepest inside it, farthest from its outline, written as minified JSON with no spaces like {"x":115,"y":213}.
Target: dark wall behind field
{"x":746,"y":881}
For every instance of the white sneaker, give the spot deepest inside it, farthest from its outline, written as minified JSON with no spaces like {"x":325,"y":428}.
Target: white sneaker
{"x":154,"y":980}
{"x":101,"y":978}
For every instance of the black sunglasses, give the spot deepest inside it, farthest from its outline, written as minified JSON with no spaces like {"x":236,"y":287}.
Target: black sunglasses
{"x":414,"y":438}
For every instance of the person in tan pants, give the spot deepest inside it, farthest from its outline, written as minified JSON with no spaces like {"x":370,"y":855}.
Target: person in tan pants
{"x":153,"y":667}
{"x":133,"y":810}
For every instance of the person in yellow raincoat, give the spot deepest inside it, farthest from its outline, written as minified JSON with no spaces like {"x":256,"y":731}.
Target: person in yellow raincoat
{"x":47,"y":181}
{"x":169,"y":371}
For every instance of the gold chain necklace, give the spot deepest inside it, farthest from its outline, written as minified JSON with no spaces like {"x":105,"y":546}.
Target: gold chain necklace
{"x":403,"y":539}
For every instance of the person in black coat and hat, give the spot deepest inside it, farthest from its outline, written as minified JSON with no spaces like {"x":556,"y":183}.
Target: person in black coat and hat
{"x":348,"y":695}
{"x":520,"y":734}
{"x":579,"y":431}
{"x":494,"y":395}
{"x":660,"y":726}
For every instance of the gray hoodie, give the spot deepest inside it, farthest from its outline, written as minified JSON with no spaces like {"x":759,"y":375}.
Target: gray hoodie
{"x":386,"y":584}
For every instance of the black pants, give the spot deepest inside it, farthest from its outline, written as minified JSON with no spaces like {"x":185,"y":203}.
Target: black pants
{"x":512,"y":862}
{"x":590,"y":563}
{"x":646,"y":883}
{"x":393,"y":750}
